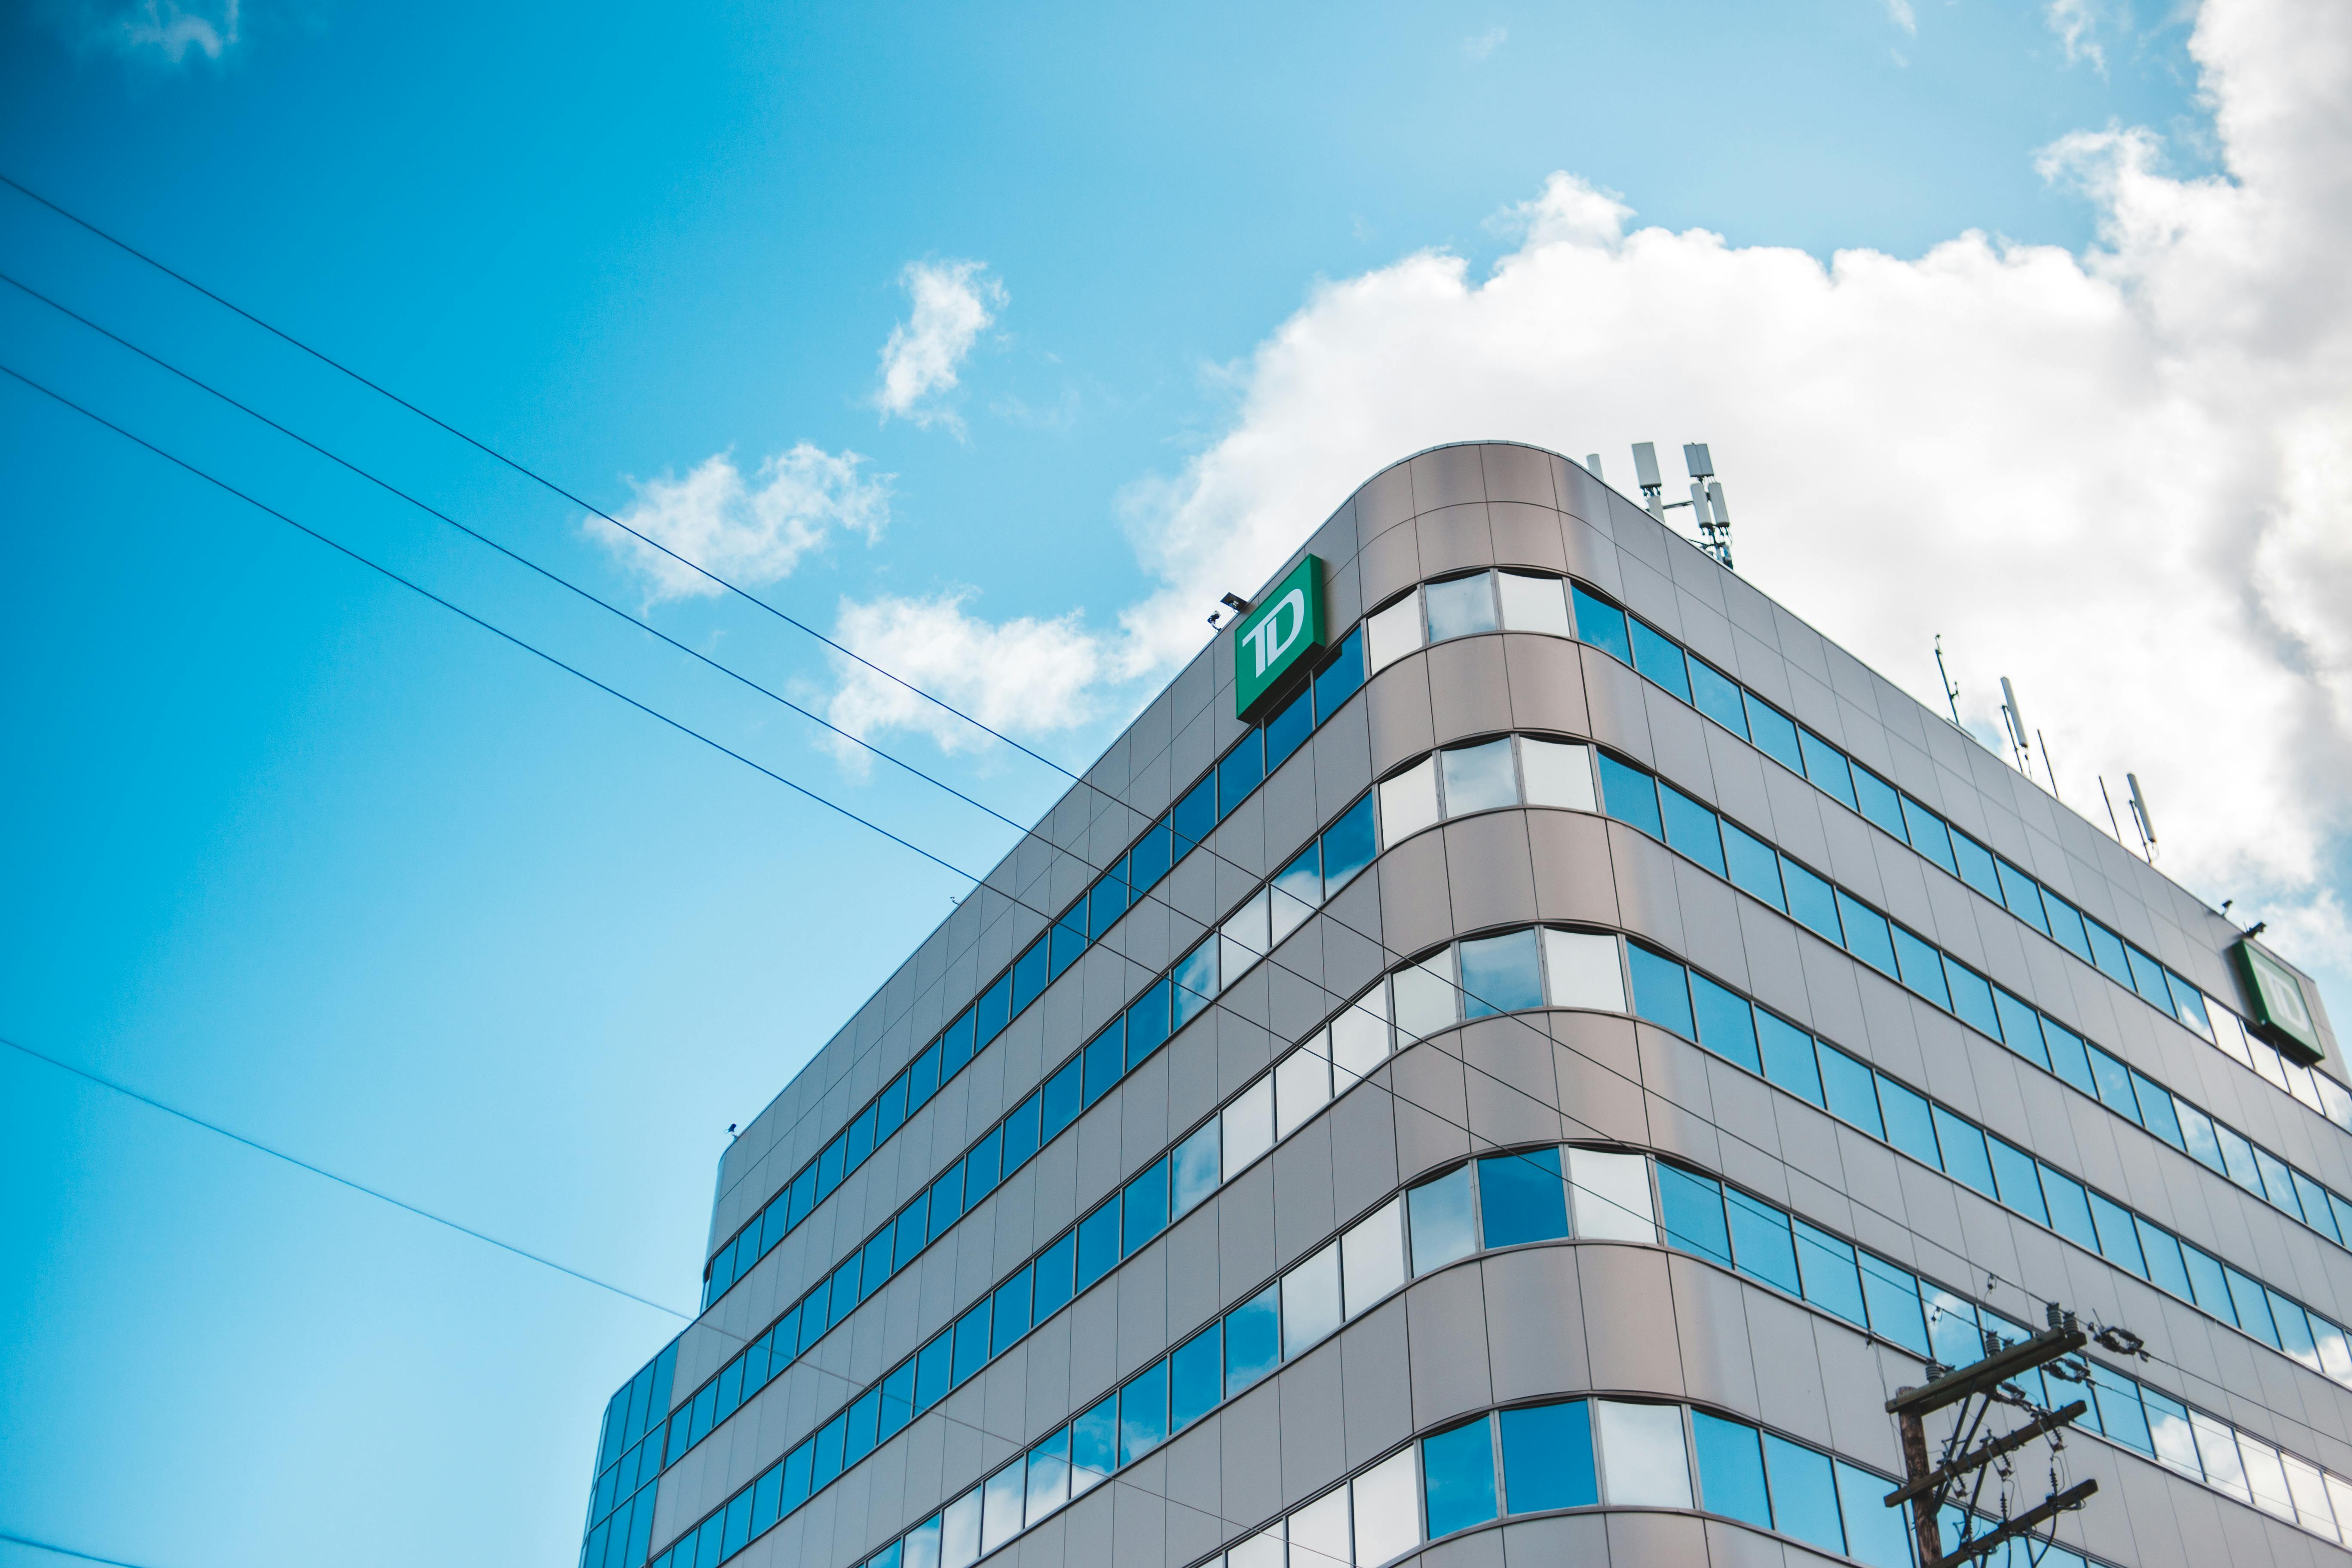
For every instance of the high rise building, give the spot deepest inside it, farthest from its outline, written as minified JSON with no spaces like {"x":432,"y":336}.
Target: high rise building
{"x":1520,"y":1071}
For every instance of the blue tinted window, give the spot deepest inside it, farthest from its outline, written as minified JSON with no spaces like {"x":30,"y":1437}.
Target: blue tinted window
{"x":898,"y":1400}
{"x":2107,"y":953}
{"x":1056,"y":1276}
{"x":1826,"y":766}
{"x":1094,"y":1438}
{"x":2066,"y":925}
{"x":1012,"y":1302}
{"x":2162,"y":1254}
{"x":946,"y":1199}
{"x":1287,"y":728}
{"x":1146,"y":1024}
{"x":2070,"y":1208}
{"x":1457,"y":1475}
{"x":1726,"y":1025}
{"x":2276,"y":1185}
{"x":1875,"y":1533}
{"x":1143,"y":1413}
{"x":845,"y":1290}
{"x":1108,"y":901}
{"x":1922,"y":968}
{"x":1831,"y":1279}
{"x":1059,"y":1101}
{"x":2156,"y":1110}
{"x":1349,"y":846}
{"x":1851,"y":1091}
{"x":827,"y":1463}
{"x":1239,"y":774}
{"x":1548,"y":1457}
{"x":1253,"y":1339}
{"x":1098,"y":1243}
{"x":933,"y":1366}
{"x":2294,"y":1331}
{"x":1811,"y":901}
{"x":984,"y":1166}
{"x":1521,"y":1197}
{"x":2197,"y":1136}
{"x":1893,"y":1295}
{"x":1963,"y":1147}
{"x":1805,"y":1494}
{"x":1876,"y":800}
{"x":2069,"y":1057}
{"x":813,"y":1321}
{"x":1717,"y":696}
{"x":1660,"y":994}
{"x":1929,"y":834}
{"x":1975,"y":866}
{"x":861,"y":1437}
{"x":1972,"y":998}
{"x":1760,"y":1243}
{"x":891,"y":1111}
{"x":829,"y":1165}
{"x":993,"y":1010}
{"x":1752,"y":866}
{"x":971,"y":1343}
{"x":1340,"y":680}
{"x":1021,"y":1130}
{"x":2023,"y":897}
{"x":958,"y":1044}
{"x":1661,"y":661}
{"x":1691,"y":1209}
{"x":1730,"y":1469}
{"x":2238,"y":1160}
{"x":1196,"y":1378}
{"x":1105,"y":1059}
{"x":2114,"y":1085}
{"x":1069,"y":940}
{"x":1866,"y":933}
{"x":861,"y":1138}
{"x":2148,"y":979}
{"x":876,"y":1266}
{"x":1029,"y":973}
{"x":796,"y":1469}
{"x":1690,"y":829}
{"x":1789,"y":1056}
{"x":1602,"y":624}
{"x":2253,"y":1307}
{"x":2021,"y":1028}
{"x":2316,"y":1207}
{"x":1196,"y":815}
{"x":1629,"y":795}
{"x":1149,"y":860}
{"x":1501,"y":974}
{"x":1909,"y":1127}
{"x":2016,"y":1182}
{"x":1775,"y":734}
{"x":2188,"y":1005}
{"x":922,"y":1080}
{"x":1145,"y":1206}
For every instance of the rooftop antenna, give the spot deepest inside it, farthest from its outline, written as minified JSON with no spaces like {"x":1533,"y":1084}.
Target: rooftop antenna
{"x":2140,"y":815}
{"x":2046,"y":768}
{"x":1592,"y":465}
{"x":2015,"y":720}
{"x":2116,"y":826}
{"x":1952,"y":692}
{"x":1706,"y":504}
{"x":1645,"y":474}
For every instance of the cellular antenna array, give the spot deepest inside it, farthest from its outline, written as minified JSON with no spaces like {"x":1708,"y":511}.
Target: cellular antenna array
{"x":1706,"y":504}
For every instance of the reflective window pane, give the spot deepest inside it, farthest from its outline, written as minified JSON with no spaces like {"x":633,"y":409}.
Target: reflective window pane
{"x":1439,"y":1215}
{"x":1548,"y":1457}
{"x":1642,"y":1460}
{"x":1522,"y":1198}
{"x":1730,"y":1469}
{"x":1533,"y":604}
{"x":1501,"y":974}
{"x":1461,"y":607}
{"x":1479,"y":778}
{"x":1457,"y":1469}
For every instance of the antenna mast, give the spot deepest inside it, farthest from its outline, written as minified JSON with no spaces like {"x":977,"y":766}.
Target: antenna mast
{"x":1706,"y":503}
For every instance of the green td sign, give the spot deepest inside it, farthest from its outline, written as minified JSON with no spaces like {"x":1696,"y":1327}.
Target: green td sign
{"x":1276,"y":636}
{"x":2280,"y":1011}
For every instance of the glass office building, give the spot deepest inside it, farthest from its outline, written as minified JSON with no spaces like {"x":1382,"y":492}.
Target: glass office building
{"x":1527,"y":1096}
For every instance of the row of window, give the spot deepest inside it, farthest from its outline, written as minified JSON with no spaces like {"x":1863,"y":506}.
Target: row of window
{"x":1492,"y":601}
{"x":1764,"y":1242}
{"x":1326,"y":864}
{"x":1220,"y":790}
{"x":1687,"y":1001}
{"x":1694,"y":831}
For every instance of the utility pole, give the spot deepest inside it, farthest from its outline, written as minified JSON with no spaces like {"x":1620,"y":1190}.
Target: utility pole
{"x":1928,"y":1485}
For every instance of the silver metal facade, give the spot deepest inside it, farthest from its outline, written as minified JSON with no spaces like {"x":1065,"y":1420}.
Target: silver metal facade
{"x":1610,"y":1317}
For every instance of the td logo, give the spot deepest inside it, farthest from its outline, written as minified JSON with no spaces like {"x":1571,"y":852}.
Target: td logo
{"x":1272,"y":640}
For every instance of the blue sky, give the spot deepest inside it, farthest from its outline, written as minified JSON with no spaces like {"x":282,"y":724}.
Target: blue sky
{"x":307,"y":856}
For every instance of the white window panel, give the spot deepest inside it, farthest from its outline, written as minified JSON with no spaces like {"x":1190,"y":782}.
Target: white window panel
{"x":1311,"y":1301}
{"x":1302,"y":1085}
{"x":1387,"y":1509}
{"x":1248,"y":1125}
{"x":1360,"y":1038}
{"x":2227,"y":1032}
{"x":1613,"y":1196}
{"x":1533,"y":604}
{"x":1426,"y":997}
{"x":2310,"y":1493}
{"x":2340,"y":1497}
{"x":1001,"y":1500}
{"x":1408,"y":803}
{"x":2266,"y":1476}
{"x":959,"y":1532}
{"x":1393,"y":633}
{"x":1559,"y":772}
{"x":1643,"y":1461}
{"x":1243,"y":939}
{"x":1264,"y":1549}
{"x":2217,"y":1448}
{"x":1318,"y":1532}
{"x":1479,"y":778}
{"x":1372,"y":1257}
{"x":1581,"y":970}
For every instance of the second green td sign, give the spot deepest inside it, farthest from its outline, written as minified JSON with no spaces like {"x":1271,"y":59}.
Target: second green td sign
{"x":1277,"y":637}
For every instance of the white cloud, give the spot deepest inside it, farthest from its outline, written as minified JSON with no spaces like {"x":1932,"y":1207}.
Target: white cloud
{"x":1480,"y":45}
{"x":2076,"y":23}
{"x":1899,"y":12}
{"x":161,"y":25}
{"x":954,"y":302}
{"x":2120,"y":478}
{"x":751,"y":533}
{"x":1026,"y":676}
